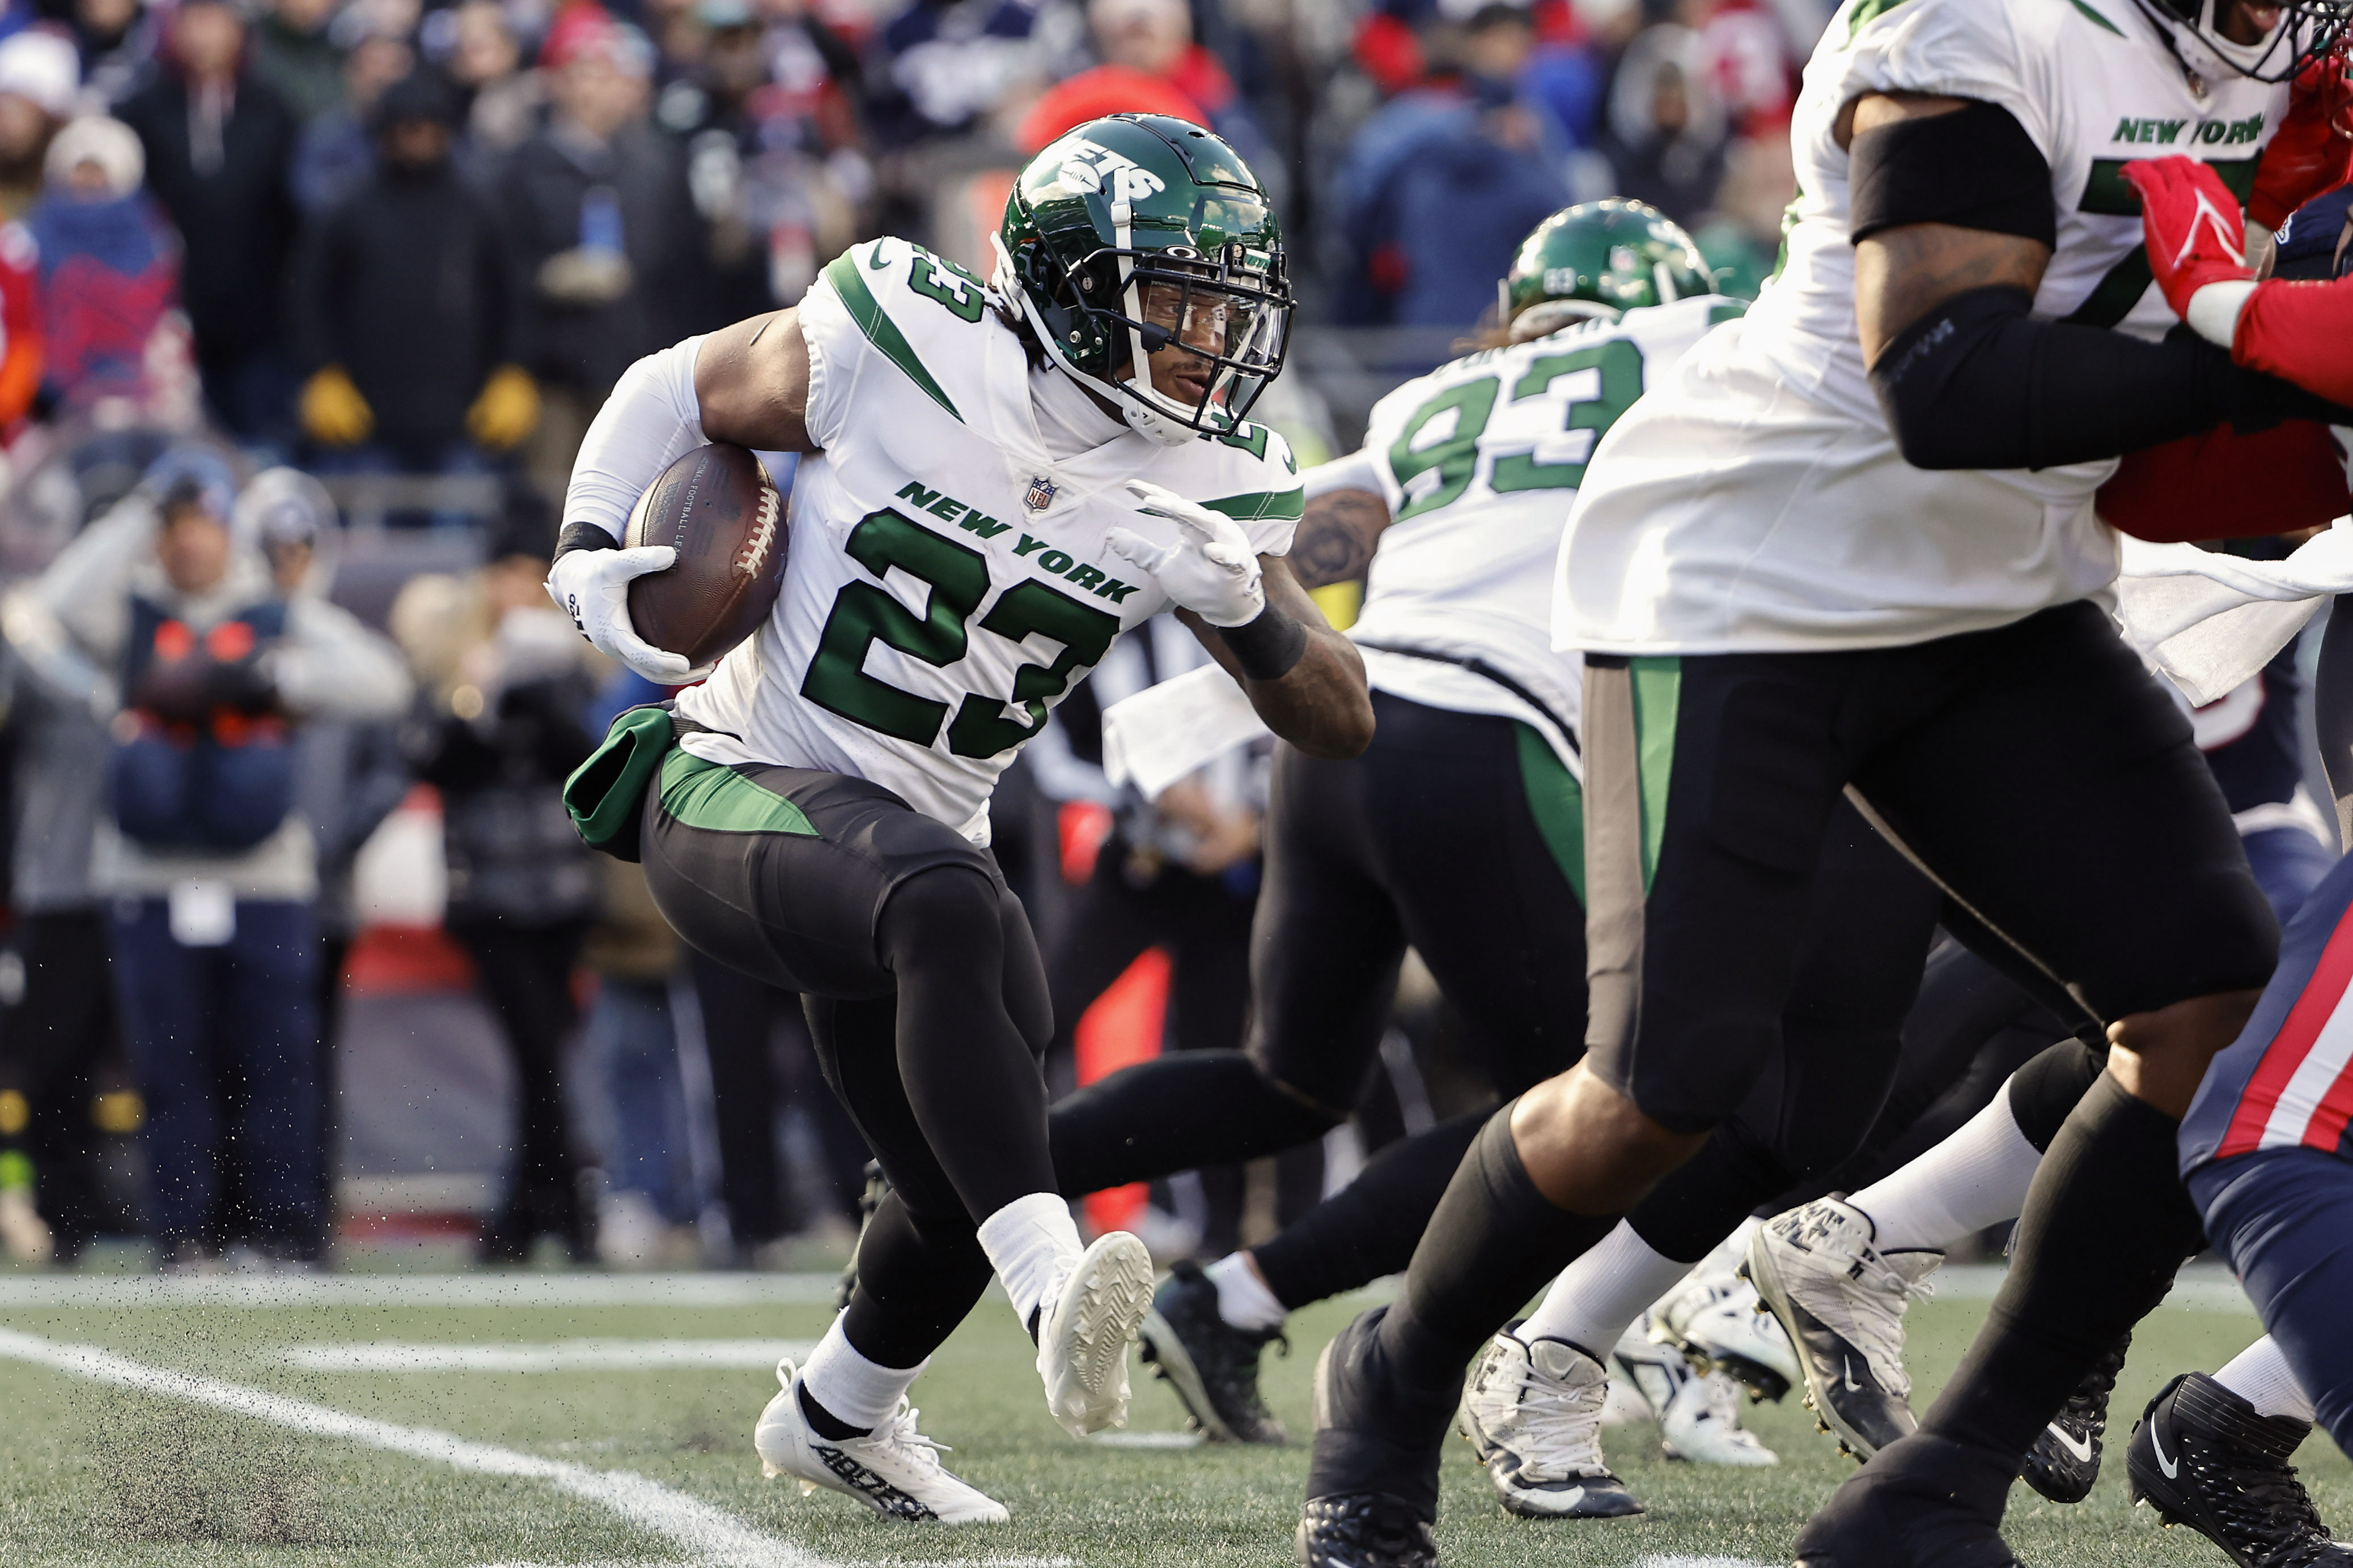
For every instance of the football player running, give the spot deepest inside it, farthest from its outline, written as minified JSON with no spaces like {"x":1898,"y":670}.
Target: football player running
{"x":1003,"y":477}
{"x":1850,"y":547}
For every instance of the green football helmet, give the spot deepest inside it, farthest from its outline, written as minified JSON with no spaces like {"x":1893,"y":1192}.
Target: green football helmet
{"x":1138,"y":231}
{"x":1599,"y":259}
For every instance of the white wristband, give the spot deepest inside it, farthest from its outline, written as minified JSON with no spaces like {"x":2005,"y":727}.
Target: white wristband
{"x":2214,"y":309}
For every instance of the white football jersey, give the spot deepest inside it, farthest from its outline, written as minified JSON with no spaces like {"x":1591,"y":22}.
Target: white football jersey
{"x":1756,"y":500}
{"x":946,"y":581}
{"x":1479,"y":461}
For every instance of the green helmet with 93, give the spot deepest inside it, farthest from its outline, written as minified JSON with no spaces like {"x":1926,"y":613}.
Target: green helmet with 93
{"x":1599,"y":259}
{"x":1146,"y":257}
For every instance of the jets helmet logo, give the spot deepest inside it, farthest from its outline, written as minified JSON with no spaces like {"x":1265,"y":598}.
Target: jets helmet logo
{"x":1089,"y":167}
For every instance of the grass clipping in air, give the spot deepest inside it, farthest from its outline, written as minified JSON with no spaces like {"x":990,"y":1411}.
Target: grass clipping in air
{"x":173,"y":1472}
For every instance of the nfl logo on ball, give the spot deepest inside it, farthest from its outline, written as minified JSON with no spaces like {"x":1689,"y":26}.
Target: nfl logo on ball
{"x":1041,"y":494}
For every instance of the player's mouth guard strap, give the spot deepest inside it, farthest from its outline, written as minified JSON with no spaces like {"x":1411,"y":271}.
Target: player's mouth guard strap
{"x":1973,"y":167}
{"x":1977,"y":382}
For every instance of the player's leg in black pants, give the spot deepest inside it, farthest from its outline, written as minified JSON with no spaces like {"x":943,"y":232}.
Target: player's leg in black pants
{"x":1711,"y":782}
{"x":1474,"y":826}
{"x":925,"y":997}
{"x":2125,"y":882}
{"x":1455,"y":832}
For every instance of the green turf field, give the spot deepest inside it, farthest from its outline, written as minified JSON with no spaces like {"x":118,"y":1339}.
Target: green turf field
{"x":93,"y":1473}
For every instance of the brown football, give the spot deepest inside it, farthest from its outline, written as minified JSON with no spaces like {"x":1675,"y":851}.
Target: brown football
{"x":717,"y":508}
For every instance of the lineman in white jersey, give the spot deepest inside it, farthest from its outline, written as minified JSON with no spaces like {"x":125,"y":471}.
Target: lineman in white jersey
{"x":1005,"y":477}
{"x":1459,"y":832}
{"x":1850,"y":545}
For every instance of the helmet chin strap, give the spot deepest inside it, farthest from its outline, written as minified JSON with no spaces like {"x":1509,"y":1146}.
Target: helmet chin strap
{"x":1141,"y":417}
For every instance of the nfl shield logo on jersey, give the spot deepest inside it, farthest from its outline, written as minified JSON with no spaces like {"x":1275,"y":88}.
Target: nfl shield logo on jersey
{"x":1041,"y":494}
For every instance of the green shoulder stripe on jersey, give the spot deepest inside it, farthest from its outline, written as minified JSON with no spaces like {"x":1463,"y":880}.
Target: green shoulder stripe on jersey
{"x":1865,"y":13}
{"x":1286,"y":506}
{"x":1658,"y":693}
{"x":882,"y":331}
{"x":2095,"y":17}
{"x":721,"y":800}
{"x":1556,"y":802}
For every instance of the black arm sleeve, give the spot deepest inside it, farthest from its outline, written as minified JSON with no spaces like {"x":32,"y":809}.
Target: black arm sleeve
{"x":1977,"y":382}
{"x":1973,"y":167}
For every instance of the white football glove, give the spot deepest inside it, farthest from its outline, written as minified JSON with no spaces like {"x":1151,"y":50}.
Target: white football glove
{"x":1212,"y":570}
{"x":592,"y":586}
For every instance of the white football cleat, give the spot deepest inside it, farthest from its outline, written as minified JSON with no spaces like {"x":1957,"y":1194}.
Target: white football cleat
{"x":1698,"y":1417}
{"x":1534,"y":1414}
{"x":1702,"y":1424}
{"x":895,"y":1469}
{"x":1841,"y":1303}
{"x":1719,"y":1320}
{"x":1089,"y":1316}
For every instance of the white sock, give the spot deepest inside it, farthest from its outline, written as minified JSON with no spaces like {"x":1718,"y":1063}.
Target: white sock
{"x":1027,"y":1241}
{"x":853,"y":1389}
{"x":1976,"y":1178}
{"x":1599,"y":1295}
{"x":1243,"y":1299}
{"x":2260,"y":1375}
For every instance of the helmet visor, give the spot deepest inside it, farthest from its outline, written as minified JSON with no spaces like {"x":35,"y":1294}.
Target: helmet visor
{"x":1211,"y":335}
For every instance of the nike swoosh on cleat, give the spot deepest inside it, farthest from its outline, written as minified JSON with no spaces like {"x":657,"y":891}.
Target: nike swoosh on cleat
{"x":1852,"y":1386}
{"x":2079,"y":1446}
{"x":2170,"y":1466}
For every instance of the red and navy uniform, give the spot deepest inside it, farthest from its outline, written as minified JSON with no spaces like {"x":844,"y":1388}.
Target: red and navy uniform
{"x":2267,"y":1156}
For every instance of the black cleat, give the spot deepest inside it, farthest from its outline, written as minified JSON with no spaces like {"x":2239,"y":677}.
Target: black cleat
{"x":1366,"y":1529}
{"x":2065,"y":1459}
{"x":878,"y":1187}
{"x":2202,"y":1456}
{"x":1210,"y":1364}
{"x":1372,"y":1478}
{"x":1921,"y":1502}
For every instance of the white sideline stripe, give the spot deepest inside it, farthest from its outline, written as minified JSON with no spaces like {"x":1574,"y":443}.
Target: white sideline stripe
{"x":2202,"y":1288}
{"x":713,"y":1535}
{"x":418,"y":1291}
{"x":563,"y":1355}
{"x":1657,"y":1561}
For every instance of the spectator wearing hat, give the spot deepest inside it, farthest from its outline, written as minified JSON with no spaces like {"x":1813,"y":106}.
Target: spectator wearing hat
{"x":408,"y":314}
{"x":40,"y":77}
{"x":605,"y":231}
{"x":219,"y":144}
{"x":211,"y":870}
{"x":501,"y":723}
{"x":115,"y":344}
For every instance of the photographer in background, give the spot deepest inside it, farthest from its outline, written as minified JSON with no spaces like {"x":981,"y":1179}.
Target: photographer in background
{"x":210,"y":669}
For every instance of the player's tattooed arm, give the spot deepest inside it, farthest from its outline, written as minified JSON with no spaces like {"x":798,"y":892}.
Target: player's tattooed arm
{"x":1335,"y":539}
{"x":753,"y":380}
{"x":1901,"y":274}
{"x":1320,"y":705}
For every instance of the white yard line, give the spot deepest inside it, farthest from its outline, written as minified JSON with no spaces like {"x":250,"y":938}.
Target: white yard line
{"x":713,"y":1535}
{"x":716,"y":1538}
{"x":417,"y":1290}
{"x":562,"y":1355}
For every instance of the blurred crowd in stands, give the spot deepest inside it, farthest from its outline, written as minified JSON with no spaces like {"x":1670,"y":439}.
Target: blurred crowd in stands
{"x":265,"y":262}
